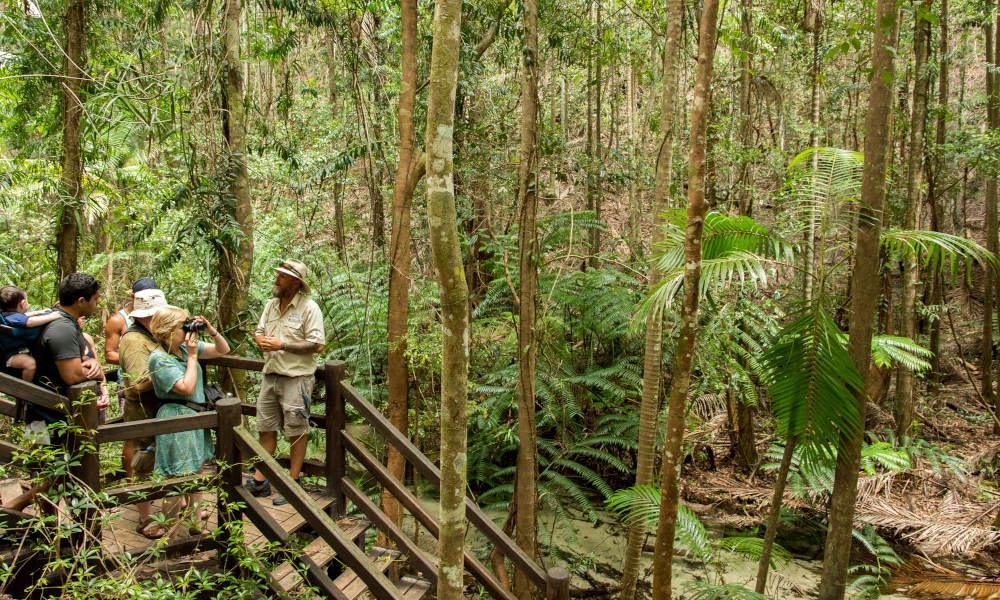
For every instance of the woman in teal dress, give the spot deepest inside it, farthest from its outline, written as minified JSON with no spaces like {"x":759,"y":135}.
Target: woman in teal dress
{"x":178,"y":381}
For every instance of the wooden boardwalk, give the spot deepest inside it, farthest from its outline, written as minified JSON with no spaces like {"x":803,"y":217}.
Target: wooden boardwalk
{"x":120,"y":535}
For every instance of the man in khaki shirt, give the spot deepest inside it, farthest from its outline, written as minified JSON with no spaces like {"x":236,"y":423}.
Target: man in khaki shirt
{"x":290,"y":333}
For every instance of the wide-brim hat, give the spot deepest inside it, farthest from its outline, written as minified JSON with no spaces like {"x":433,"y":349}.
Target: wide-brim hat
{"x":146,"y":303}
{"x":296,"y":269}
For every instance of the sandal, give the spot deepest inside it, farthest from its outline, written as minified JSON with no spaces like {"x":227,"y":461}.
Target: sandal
{"x":158,"y":530}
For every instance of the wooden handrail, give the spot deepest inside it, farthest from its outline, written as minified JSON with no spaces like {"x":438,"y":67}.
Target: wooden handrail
{"x":256,"y":364}
{"x":426,"y":468}
{"x":407,"y":499}
{"x":36,"y":394}
{"x":384,"y":523}
{"x":157,"y":426}
{"x":8,"y":408}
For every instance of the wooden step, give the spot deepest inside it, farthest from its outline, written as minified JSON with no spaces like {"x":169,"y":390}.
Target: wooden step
{"x":352,"y":585}
{"x":285,"y":576}
{"x":413,"y":588}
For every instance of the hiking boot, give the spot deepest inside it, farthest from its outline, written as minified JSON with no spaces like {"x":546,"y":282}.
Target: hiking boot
{"x":280,"y":500}
{"x":258,"y":489}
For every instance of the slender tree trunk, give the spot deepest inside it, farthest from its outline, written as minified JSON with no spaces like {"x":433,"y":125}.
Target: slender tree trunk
{"x":864,"y":298}
{"x":591,"y":160}
{"x":446,"y":250}
{"x":399,"y":270}
{"x":815,"y":23}
{"x":338,"y":216}
{"x":940,"y":223}
{"x":771,"y":529}
{"x":745,"y":448}
{"x":915,"y":172}
{"x":236,"y":263}
{"x":527,"y":467}
{"x":649,"y":409}
{"x":331,"y":68}
{"x":597,"y":172}
{"x":684,"y":354}
{"x":71,"y":190}
{"x":744,"y":189}
{"x":634,"y":204}
{"x":989,"y":281}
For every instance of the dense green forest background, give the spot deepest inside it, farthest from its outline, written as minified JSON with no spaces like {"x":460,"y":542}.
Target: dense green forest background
{"x":167,"y":187}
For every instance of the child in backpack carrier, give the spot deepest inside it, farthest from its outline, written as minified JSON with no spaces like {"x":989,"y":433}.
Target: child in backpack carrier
{"x":22,"y":327}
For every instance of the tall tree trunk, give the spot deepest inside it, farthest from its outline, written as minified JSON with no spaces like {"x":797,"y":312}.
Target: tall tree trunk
{"x":527,"y":467}
{"x":935,"y":192}
{"x":744,"y":190}
{"x":814,"y":21}
{"x":71,"y":190}
{"x":331,"y":68}
{"x":634,"y":203}
{"x":591,"y":160}
{"x":746,"y":446}
{"x":236,"y":263}
{"x":446,"y":249}
{"x":914,"y":179}
{"x":989,"y":282}
{"x":649,"y":408}
{"x":684,"y":353}
{"x":598,"y":167}
{"x":864,"y":298}
{"x":399,"y":270}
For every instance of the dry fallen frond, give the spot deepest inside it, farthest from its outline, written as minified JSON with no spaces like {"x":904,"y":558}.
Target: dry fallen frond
{"x":946,"y":530}
{"x":954,"y":587}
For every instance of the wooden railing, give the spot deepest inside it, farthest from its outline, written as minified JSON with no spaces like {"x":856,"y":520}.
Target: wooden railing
{"x":233,"y":442}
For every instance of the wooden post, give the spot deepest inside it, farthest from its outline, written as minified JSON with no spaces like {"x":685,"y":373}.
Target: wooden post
{"x":335,"y":420}
{"x":82,"y":411}
{"x":556,"y":584}
{"x":229,"y":476}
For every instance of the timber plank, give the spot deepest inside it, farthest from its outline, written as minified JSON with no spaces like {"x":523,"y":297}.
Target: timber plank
{"x":20,"y":388}
{"x":10,"y":489}
{"x":414,"y":588}
{"x":321,"y":553}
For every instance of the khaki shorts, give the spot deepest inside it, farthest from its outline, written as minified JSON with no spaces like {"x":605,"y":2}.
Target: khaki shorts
{"x":138,"y":410}
{"x":284,"y":404}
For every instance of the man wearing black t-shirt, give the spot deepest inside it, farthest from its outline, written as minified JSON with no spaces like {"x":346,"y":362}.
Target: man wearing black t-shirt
{"x":60,"y":347}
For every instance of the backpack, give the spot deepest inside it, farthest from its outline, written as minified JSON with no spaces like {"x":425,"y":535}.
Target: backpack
{"x":14,"y":339}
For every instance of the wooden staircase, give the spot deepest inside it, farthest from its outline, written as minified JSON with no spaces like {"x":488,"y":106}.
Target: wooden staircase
{"x":336,"y":563}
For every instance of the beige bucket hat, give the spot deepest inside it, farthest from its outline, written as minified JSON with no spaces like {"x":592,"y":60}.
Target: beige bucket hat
{"x":297,"y":269}
{"x":147,"y":302}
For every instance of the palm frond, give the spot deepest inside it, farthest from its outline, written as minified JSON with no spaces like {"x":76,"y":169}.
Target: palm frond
{"x":812,"y":380}
{"x":751,"y":547}
{"x":703,"y":590}
{"x":639,"y":504}
{"x":935,"y":249}
{"x":891,"y":350}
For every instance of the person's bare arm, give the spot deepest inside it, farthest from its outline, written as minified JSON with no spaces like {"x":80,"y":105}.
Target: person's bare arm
{"x":219,"y":345}
{"x":301,"y":347}
{"x":71,"y":370}
{"x":185,"y":385}
{"x":112,"y":337}
{"x":42,"y":319}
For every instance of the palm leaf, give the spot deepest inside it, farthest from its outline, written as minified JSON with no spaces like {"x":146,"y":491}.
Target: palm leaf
{"x":890,"y":350}
{"x":812,"y":381}
{"x":935,"y":249}
{"x":703,"y":590}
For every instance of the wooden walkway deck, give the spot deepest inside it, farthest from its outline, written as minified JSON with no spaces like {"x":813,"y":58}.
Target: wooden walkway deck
{"x":120,"y":535}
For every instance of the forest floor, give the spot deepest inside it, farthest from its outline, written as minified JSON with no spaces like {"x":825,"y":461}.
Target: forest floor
{"x":938,"y":514}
